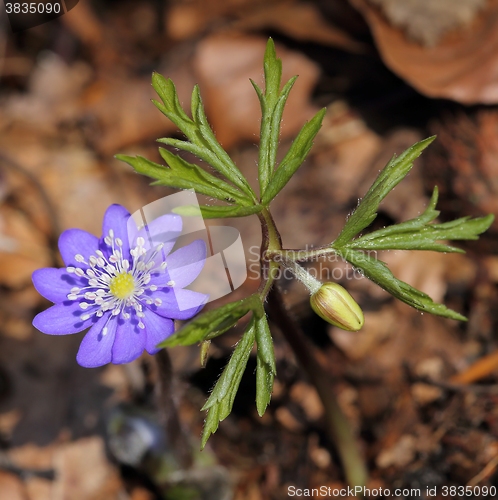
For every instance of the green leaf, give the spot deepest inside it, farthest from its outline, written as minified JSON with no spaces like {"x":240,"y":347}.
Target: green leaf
{"x":198,"y":132}
{"x":271,"y":112}
{"x":194,"y":172}
{"x":418,"y":234}
{"x":182,"y":177}
{"x":206,"y":138}
{"x":266,"y":368}
{"x":270,"y":132}
{"x":212,"y":323}
{"x":379,"y":273}
{"x":202,"y":153}
{"x":294,"y":157}
{"x":392,"y":174}
{"x":220,"y":402}
{"x":216,"y":212}
{"x":272,"y":67}
{"x":171,"y":106}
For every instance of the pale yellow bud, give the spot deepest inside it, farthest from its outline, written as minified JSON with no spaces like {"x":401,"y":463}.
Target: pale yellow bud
{"x":335,"y":305}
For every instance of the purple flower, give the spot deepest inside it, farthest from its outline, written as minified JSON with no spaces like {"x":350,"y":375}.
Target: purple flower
{"x":126,"y":287}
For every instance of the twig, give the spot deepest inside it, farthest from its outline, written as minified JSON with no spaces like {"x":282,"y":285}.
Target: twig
{"x":487,"y":471}
{"x":449,"y":386}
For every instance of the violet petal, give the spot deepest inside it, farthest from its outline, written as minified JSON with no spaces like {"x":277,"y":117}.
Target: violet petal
{"x":116,"y":219}
{"x":184,"y":265}
{"x":96,"y":348}
{"x":77,"y":241}
{"x":55,"y":284}
{"x":129,"y":342}
{"x":165,"y":229}
{"x":158,"y":329}
{"x":62,"y":319}
{"x":178,"y":303}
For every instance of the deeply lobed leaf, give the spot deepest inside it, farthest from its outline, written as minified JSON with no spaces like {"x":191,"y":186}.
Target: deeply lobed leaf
{"x":418,"y":234}
{"x":391,"y":175}
{"x":379,"y":273}
{"x":212,"y":323}
{"x":220,"y":402}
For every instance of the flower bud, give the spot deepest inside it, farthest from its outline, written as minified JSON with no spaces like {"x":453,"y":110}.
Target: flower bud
{"x":335,"y":305}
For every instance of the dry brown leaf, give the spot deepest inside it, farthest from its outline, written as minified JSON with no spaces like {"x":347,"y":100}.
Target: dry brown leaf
{"x":401,"y":454}
{"x":11,"y":487}
{"x":299,"y":20}
{"x":82,"y":471}
{"x":307,"y":397}
{"x":302,"y":21}
{"x":187,"y":19}
{"x":464,"y":161}
{"x":462,"y":67}
{"x":123,"y":110}
{"x":426,"y":21}
{"x":29,"y":253}
{"x":224,"y":63}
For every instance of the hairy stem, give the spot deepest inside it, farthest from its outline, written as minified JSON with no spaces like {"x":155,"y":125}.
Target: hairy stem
{"x":169,"y":411}
{"x":300,"y":255}
{"x":271,"y":242}
{"x":338,"y":428}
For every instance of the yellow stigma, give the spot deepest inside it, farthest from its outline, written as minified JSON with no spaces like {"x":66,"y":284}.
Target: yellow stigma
{"x":122,"y":285}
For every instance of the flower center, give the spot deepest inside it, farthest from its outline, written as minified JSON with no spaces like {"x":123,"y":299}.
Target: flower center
{"x":116,"y":286}
{"x":122,"y":285}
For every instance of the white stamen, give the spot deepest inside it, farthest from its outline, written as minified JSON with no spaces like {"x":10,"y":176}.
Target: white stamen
{"x":141,"y":263}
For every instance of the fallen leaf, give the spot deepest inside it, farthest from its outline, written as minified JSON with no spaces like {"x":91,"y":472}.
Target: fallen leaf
{"x":82,"y":471}
{"x":462,"y":67}
{"x":224,"y":63}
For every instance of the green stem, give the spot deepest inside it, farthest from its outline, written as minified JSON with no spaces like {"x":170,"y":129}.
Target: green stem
{"x":271,"y":242}
{"x":309,"y":281}
{"x":338,"y":427}
{"x":300,"y":255}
